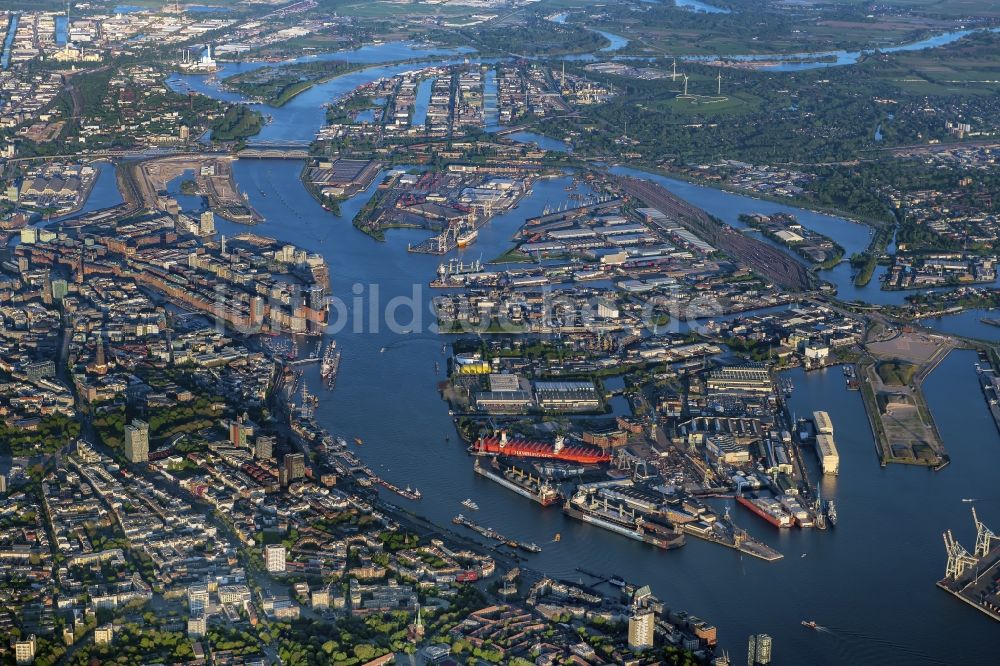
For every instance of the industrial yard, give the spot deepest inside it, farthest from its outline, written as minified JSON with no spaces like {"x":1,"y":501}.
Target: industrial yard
{"x":904,"y":428}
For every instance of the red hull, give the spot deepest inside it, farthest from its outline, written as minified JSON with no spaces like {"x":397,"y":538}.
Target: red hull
{"x":522,"y":448}
{"x":760,"y":512}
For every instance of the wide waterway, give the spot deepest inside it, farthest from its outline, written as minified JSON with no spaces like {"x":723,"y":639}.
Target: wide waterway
{"x":869,"y":582}
{"x":794,"y":62}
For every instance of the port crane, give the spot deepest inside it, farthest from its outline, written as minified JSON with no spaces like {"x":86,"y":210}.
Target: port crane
{"x":636,"y":466}
{"x":984,"y":536}
{"x":959,"y":559}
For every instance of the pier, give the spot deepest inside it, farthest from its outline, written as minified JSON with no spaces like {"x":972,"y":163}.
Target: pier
{"x":972,"y":577}
{"x":990,"y":383}
{"x":492,"y":534}
{"x":731,"y":536}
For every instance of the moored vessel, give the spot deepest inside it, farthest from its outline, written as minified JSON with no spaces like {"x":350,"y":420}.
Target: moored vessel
{"x":768,"y":509}
{"x":330,"y":364}
{"x":467,"y":238}
{"x":524,"y":448}
{"x":521,"y":482}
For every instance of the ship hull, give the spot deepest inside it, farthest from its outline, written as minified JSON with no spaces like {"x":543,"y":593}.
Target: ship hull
{"x":760,"y":512}
{"x":510,"y":485}
{"x":527,"y":449}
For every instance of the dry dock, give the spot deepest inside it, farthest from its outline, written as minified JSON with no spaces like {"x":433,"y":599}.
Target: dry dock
{"x":727,"y":534}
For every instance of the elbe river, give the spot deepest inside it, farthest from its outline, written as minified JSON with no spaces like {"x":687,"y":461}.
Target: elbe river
{"x":869,"y":582}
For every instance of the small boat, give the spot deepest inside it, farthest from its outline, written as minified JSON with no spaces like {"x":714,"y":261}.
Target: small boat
{"x":617,"y":581}
{"x":968,"y":499}
{"x":468,"y":503}
{"x":809,"y":623}
{"x":558,"y":537}
{"x":358,"y":441}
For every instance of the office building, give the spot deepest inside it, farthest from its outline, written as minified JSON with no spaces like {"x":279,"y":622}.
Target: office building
{"x":641,"y":628}
{"x":274,"y":558}
{"x":60,"y":288}
{"x":197,"y":626}
{"x":295,"y":466}
{"x":137,"y":441}
{"x":240,"y":432}
{"x":263,"y":447}
{"x":104,"y":634}
{"x":206,"y":225}
{"x":24,"y":651}
{"x":197,"y":599}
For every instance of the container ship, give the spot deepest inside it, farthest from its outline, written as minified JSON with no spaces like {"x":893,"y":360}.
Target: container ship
{"x":621,"y":519}
{"x":523,"y":448}
{"x":768,"y":509}
{"x":522,"y":483}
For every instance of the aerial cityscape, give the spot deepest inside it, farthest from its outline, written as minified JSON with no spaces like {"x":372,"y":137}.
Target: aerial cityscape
{"x":500,"y":332}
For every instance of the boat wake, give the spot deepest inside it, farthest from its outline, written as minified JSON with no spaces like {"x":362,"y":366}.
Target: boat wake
{"x":859,"y":647}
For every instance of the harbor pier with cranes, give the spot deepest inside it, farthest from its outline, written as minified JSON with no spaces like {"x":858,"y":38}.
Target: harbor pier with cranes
{"x":974,"y":577}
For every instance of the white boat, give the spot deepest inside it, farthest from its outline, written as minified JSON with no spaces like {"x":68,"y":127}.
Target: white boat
{"x":469,"y":504}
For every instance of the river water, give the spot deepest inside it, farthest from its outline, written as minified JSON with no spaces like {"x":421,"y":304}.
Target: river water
{"x":696,"y":6}
{"x":8,"y":41}
{"x":795,"y":62}
{"x":869,"y":582}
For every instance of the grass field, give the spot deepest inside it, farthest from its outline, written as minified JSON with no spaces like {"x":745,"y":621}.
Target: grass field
{"x":896,"y":373}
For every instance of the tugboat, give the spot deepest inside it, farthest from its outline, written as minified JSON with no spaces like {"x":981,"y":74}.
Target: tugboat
{"x":809,"y":623}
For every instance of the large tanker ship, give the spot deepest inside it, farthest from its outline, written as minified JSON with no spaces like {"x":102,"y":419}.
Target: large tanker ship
{"x":523,"y":448}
